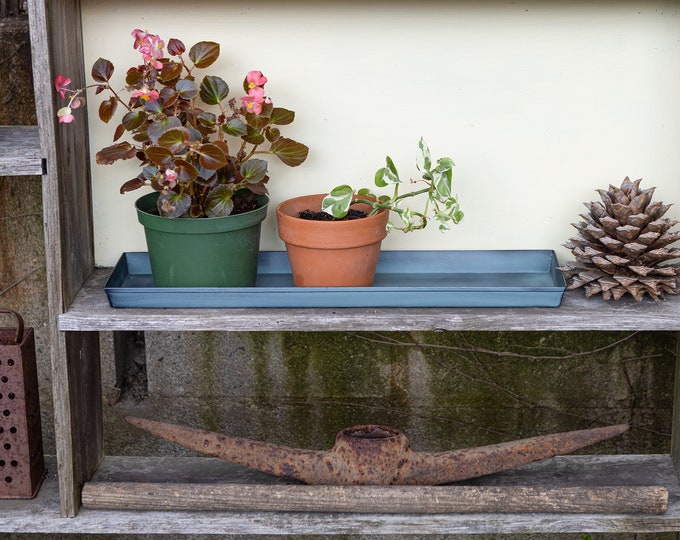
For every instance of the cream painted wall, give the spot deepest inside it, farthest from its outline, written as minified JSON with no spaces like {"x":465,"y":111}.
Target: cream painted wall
{"x":539,"y":104}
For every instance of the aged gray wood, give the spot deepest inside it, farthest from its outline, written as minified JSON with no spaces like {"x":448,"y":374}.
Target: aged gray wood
{"x":91,"y":312}
{"x":675,"y":432}
{"x":57,"y":48}
{"x":375,"y":499}
{"x":20,"y":153}
{"x":41,"y":515}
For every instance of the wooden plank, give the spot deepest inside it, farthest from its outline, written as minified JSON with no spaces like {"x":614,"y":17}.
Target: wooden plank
{"x":56,"y":48}
{"x":20,"y":153}
{"x":41,"y":515}
{"x":375,"y":499}
{"x":90,"y":311}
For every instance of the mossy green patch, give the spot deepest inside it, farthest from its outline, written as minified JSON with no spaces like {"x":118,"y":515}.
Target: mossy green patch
{"x":207,"y":362}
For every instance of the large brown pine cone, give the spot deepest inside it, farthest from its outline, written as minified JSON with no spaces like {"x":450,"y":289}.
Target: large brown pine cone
{"x":621,"y":246}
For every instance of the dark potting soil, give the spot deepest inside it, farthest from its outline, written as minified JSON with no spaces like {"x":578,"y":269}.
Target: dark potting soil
{"x":243,"y":204}
{"x":323,"y":216}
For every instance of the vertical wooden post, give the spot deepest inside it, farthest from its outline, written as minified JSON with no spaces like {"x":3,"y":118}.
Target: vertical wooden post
{"x":56,"y":43}
{"x":675,"y":427}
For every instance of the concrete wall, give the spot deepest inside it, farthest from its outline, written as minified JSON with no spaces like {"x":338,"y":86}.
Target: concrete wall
{"x":445,"y":390}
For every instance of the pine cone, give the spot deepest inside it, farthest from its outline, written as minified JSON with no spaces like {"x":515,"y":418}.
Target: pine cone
{"x":621,"y":245}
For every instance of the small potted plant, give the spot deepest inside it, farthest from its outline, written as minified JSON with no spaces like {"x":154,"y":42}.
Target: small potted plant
{"x":334,"y":239}
{"x":199,"y":152}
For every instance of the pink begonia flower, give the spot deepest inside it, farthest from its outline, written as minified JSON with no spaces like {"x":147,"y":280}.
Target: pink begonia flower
{"x":61,"y":83}
{"x":146,"y":94}
{"x":253,"y":101}
{"x":140,"y":37}
{"x":151,"y":47}
{"x":171,"y":177}
{"x":255,"y":78}
{"x":65,"y":116}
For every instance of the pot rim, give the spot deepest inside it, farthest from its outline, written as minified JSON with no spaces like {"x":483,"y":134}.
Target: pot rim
{"x":327,"y":234}
{"x":198,"y":225}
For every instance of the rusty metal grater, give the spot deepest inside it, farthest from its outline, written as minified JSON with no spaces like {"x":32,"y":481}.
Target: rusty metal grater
{"x":22,"y":464}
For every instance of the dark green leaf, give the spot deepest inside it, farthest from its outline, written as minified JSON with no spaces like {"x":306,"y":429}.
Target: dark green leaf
{"x":254,"y":170}
{"x":291,"y":152}
{"x":272,"y":134}
{"x":186,"y":171}
{"x":206,"y":119}
{"x":257,"y":121}
{"x":156,"y":129}
{"x":102,"y":70}
{"x":253,"y":136}
{"x":235,"y":127}
{"x":171,"y":71}
{"x":134,"y":77}
{"x":159,"y":155}
{"x":153,"y":107}
{"x":186,"y":89}
{"x":220,"y":202}
{"x":213,"y":90}
{"x":173,"y":205}
{"x":174,"y":140}
{"x":134,"y":119}
{"x":204,"y":53}
{"x":149,"y":172}
{"x":282,"y":116}
{"x":206,"y":177}
{"x":211,"y":156}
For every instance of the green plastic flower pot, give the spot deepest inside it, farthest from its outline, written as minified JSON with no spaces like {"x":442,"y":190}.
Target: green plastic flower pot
{"x":202,"y":252}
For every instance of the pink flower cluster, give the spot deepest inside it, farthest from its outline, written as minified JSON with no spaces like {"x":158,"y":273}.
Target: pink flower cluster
{"x":146,"y":94}
{"x":65,"y":114}
{"x":170,"y":178}
{"x":151,"y":47}
{"x":255,"y":98}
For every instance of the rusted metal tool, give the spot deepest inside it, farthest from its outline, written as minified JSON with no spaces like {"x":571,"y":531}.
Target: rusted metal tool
{"x":376,"y":455}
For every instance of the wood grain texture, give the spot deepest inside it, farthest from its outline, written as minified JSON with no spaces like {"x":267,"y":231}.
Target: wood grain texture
{"x":81,"y":312}
{"x":41,"y":515}
{"x":20,"y":153}
{"x":56,"y":48}
{"x":675,"y":432}
{"x":91,"y":312}
{"x":375,"y":499}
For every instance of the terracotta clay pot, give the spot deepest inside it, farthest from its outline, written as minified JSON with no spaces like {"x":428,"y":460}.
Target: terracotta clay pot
{"x":330,"y":253}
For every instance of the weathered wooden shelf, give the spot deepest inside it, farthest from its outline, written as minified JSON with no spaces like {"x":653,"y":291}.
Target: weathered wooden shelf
{"x":41,"y":515}
{"x":90,"y":311}
{"x":20,"y":153}
{"x":78,"y":309}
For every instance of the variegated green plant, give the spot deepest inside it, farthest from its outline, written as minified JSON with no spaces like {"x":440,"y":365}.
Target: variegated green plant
{"x":436,"y":195}
{"x":196,"y":146}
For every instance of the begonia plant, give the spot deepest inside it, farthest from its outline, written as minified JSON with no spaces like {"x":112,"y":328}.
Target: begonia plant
{"x":196,"y":147}
{"x":437,"y":191}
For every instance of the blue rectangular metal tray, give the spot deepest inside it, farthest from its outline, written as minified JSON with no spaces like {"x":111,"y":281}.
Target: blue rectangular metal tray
{"x":512,"y":278}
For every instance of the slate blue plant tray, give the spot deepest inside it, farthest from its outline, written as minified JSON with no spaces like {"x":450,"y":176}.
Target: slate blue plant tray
{"x":512,"y":278}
